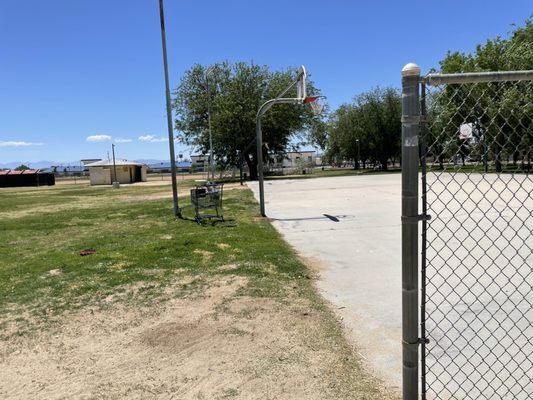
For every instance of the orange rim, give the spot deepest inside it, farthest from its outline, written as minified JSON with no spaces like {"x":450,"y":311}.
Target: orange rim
{"x":312,"y":99}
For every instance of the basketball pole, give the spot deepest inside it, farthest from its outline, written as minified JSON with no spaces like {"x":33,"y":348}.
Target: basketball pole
{"x":302,"y":98}
{"x":259,"y":140}
{"x":177,"y":211}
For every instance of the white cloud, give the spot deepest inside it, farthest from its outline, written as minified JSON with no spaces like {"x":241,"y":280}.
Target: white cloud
{"x":152,"y":138}
{"x":19,"y":144}
{"x":98,"y":138}
{"x":120,"y":140}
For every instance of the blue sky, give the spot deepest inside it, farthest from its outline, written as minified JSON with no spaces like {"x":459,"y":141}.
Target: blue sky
{"x":72,"y":69}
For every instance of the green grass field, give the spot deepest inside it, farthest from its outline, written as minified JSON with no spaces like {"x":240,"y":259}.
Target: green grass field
{"x":136,"y":240}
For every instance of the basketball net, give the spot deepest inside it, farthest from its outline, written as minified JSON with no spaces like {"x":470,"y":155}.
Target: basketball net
{"x":316,"y":103}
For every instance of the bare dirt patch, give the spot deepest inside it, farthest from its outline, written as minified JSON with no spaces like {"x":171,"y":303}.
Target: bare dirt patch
{"x":228,"y":267}
{"x":206,"y":255}
{"x":215,"y":345}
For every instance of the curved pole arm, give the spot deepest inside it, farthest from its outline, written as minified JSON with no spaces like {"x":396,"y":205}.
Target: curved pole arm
{"x":268,"y":104}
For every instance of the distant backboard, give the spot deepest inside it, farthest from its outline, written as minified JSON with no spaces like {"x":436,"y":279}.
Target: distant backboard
{"x":465,"y":131}
{"x":301,"y":85}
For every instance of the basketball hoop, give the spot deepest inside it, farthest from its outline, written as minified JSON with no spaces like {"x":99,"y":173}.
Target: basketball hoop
{"x":301,"y":98}
{"x":316,"y":102}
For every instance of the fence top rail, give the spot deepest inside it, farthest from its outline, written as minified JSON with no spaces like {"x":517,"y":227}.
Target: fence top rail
{"x":434,"y":79}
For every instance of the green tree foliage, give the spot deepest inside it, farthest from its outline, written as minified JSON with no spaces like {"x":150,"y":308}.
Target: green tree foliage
{"x":22,"y":167}
{"x":370,"y":125}
{"x":500,"y":54}
{"x":233,"y":93}
{"x":499,"y":112}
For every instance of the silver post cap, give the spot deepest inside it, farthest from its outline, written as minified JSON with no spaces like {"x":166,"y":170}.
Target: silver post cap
{"x":410,"y":69}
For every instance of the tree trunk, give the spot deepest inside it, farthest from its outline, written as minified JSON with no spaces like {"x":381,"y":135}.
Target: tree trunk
{"x":497,"y":162}
{"x":497,"y":152}
{"x":252,"y":167}
{"x":384,"y":164}
{"x":497,"y":155}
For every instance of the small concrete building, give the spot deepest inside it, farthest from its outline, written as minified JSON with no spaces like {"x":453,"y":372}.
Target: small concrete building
{"x":102,"y":172}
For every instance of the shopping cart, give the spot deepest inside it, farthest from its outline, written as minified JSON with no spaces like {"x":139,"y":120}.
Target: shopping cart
{"x":207,"y":201}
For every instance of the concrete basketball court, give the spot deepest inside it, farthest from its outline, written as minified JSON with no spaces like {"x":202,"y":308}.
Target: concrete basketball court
{"x":351,"y":227}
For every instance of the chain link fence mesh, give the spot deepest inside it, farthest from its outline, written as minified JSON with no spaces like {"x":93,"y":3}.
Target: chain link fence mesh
{"x":477,"y":270}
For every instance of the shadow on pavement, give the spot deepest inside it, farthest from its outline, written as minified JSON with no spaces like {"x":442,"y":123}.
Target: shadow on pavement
{"x":334,"y":218}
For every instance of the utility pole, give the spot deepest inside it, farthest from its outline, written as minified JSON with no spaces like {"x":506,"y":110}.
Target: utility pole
{"x":177,"y":211}
{"x":115,"y":181}
{"x":211,"y":164}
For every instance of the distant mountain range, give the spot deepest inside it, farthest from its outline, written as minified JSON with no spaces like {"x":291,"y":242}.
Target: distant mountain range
{"x":47,"y":164}
{"x":36,"y":165}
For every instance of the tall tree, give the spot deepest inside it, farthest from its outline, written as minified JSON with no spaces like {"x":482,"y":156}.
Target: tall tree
{"x":500,"y":113}
{"x":370,"y":126}
{"x":233,"y":94}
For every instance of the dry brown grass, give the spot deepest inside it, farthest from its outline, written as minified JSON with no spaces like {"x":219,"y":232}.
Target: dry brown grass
{"x":214,"y":345}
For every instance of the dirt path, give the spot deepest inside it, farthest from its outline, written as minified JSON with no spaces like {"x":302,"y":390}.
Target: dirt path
{"x":219,"y":345}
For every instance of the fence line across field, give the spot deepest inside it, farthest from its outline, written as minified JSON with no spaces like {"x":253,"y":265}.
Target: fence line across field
{"x":471,"y":135}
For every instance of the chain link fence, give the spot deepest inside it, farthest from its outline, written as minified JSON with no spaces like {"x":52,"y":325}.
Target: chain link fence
{"x":475,"y":141}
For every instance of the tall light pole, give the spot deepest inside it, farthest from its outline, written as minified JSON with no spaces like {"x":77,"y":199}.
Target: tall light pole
{"x":115,"y":182}
{"x":177,"y":211}
{"x":211,"y":166}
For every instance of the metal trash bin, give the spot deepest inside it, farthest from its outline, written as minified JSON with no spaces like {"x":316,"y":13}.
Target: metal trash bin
{"x":207,"y":201}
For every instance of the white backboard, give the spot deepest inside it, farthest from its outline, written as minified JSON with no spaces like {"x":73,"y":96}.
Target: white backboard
{"x":301,"y":85}
{"x":465,"y":131}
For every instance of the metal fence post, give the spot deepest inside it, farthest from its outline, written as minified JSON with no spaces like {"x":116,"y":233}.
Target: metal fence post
{"x":410,"y":218}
